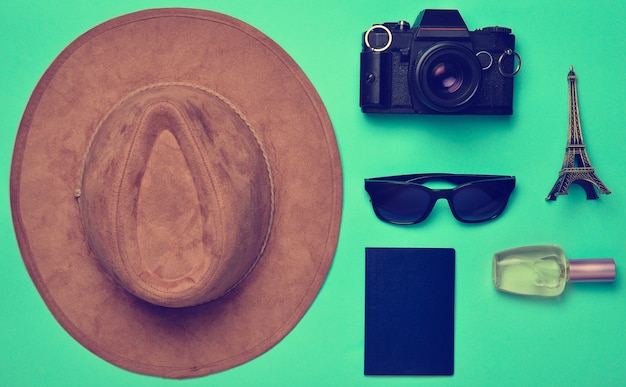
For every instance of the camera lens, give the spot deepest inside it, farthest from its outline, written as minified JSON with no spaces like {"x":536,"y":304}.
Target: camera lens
{"x":447,"y":77}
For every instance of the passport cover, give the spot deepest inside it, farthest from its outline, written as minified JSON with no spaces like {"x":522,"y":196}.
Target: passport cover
{"x":409,"y":311}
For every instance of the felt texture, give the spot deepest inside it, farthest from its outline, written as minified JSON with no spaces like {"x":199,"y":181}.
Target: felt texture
{"x":174,"y":226}
{"x":169,"y":157}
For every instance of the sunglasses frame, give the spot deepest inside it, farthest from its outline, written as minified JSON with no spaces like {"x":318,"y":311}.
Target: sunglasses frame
{"x":460,"y":180}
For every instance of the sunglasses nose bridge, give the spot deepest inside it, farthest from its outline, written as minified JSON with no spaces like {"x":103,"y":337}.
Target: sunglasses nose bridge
{"x":437,"y":194}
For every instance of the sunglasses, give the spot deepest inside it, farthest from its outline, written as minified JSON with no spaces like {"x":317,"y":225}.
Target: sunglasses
{"x":405,"y":200}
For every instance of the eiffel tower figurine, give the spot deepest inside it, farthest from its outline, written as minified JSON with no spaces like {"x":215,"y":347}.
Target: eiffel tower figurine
{"x":577,"y":168}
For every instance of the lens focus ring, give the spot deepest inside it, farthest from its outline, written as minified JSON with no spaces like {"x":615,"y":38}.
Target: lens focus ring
{"x":446,"y":77}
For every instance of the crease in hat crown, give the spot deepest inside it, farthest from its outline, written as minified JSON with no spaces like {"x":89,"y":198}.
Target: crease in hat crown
{"x":176,"y":194}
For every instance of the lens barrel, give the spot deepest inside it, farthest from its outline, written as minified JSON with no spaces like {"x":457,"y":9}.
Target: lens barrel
{"x":446,"y":77}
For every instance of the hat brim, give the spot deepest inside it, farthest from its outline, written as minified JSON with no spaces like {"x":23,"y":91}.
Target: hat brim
{"x":239,"y":62}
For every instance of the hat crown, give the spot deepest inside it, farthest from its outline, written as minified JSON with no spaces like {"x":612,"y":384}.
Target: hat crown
{"x":176,"y":195}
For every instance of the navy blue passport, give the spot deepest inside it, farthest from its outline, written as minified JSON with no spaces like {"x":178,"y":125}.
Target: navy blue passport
{"x":409,"y":311}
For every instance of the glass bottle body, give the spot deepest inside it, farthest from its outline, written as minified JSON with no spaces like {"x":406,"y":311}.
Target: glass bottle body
{"x":531,"y":270}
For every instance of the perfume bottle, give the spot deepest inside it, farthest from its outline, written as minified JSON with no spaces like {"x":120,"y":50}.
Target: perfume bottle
{"x":544,"y":270}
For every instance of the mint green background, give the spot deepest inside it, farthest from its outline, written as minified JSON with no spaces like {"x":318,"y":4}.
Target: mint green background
{"x":577,"y":339}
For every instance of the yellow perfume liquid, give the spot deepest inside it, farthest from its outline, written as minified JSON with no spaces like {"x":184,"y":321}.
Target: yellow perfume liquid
{"x":544,"y":270}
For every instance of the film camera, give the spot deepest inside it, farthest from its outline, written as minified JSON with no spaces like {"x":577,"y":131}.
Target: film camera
{"x":438,"y":67}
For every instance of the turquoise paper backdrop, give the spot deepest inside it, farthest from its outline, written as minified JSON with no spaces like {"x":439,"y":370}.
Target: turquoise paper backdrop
{"x":501,"y":340}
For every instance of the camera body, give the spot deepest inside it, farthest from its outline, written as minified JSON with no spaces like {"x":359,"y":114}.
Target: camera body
{"x":438,"y":67}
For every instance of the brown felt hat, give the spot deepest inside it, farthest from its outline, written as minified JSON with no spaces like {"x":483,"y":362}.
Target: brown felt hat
{"x":176,"y":191}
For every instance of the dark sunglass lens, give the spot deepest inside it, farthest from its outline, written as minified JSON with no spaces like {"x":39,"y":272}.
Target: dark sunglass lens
{"x":399,"y":203}
{"x":480,"y":202}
